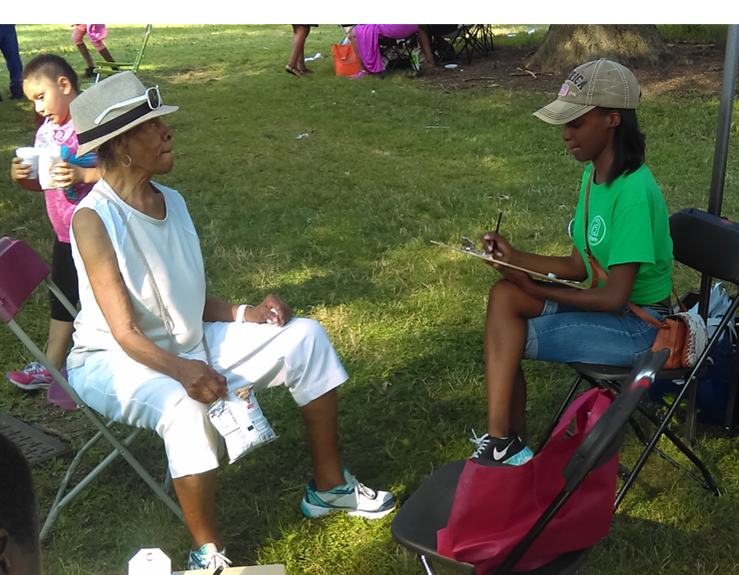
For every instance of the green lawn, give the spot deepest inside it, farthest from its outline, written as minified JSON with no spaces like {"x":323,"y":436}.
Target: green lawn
{"x":339,"y":224}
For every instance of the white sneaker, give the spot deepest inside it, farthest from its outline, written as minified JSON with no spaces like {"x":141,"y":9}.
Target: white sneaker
{"x":208,"y":557}
{"x":356,"y":499}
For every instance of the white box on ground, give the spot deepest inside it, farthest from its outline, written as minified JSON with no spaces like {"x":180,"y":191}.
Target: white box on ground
{"x":150,"y":561}
{"x":255,"y":570}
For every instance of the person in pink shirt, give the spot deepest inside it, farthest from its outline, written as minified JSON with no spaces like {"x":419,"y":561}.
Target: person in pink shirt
{"x":96,"y":33}
{"x":51,"y":84}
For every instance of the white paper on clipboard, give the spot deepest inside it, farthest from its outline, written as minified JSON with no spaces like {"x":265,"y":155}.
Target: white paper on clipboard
{"x":489,"y":258}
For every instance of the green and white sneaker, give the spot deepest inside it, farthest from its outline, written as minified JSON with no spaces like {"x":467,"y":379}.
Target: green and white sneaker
{"x":354,"y":498}
{"x":208,"y":557}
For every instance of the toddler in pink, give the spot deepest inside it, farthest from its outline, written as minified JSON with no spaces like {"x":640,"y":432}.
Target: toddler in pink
{"x":51,"y":84}
{"x":96,"y":33}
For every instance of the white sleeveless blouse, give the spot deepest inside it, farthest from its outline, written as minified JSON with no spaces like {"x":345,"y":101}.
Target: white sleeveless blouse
{"x":172,"y":250}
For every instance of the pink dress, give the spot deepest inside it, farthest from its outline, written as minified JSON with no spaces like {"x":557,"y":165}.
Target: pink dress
{"x":368,"y":41}
{"x":59,"y":208}
{"x":96,"y":33}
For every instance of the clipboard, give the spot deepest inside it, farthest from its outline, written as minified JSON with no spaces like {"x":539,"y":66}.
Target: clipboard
{"x":487,"y":257}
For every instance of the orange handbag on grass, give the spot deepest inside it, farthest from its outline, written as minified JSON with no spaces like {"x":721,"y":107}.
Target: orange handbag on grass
{"x":345,"y":61}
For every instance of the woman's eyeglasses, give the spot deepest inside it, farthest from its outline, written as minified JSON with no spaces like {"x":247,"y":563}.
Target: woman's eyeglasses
{"x":151,"y":96}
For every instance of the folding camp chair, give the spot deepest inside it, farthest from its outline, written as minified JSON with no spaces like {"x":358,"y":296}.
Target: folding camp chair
{"x":397,"y":54}
{"x":104,"y":69}
{"x":710,"y":245}
{"x":21,"y":272}
{"x":467,"y":40}
{"x":416,"y":523}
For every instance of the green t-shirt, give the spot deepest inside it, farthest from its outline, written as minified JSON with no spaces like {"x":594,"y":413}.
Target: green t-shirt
{"x":628,"y":223}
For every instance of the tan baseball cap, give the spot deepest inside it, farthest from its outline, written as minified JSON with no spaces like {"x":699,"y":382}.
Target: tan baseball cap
{"x":598,"y":83}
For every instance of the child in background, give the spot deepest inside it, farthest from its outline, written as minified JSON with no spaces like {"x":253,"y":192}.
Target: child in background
{"x":51,"y":84}
{"x":96,"y":33}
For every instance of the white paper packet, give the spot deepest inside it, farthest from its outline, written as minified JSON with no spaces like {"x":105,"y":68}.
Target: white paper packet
{"x":241,"y":423}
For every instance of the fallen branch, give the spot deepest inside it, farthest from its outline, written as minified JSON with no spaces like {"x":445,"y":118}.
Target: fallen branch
{"x":524,"y":73}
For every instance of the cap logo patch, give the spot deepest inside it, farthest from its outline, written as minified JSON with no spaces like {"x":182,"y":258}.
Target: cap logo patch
{"x":563,"y":90}
{"x":577,"y":79}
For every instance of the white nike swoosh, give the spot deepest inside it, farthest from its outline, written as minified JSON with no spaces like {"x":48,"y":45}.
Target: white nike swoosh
{"x":498,"y":455}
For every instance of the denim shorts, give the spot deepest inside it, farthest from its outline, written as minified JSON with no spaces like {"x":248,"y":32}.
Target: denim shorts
{"x":565,"y":333}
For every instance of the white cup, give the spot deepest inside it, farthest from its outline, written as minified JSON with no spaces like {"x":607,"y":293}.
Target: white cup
{"x":48,"y":158}
{"x":29,"y":157}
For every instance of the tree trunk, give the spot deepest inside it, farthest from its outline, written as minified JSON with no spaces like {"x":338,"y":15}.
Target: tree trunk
{"x":566,"y":46}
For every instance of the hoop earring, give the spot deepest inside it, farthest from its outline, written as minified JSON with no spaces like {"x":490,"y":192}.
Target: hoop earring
{"x":128,"y":165}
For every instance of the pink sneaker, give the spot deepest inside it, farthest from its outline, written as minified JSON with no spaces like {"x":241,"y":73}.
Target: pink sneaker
{"x":33,"y":376}
{"x":358,"y":75}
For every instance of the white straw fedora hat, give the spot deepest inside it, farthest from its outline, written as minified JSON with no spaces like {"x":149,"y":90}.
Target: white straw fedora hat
{"x":601,"y":83}
{"x":112,"y":107}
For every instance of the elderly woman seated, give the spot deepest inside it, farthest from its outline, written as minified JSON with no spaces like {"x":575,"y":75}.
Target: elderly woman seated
{"x":151,"y":347}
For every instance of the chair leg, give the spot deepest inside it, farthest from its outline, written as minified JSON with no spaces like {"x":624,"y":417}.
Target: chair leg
{"x":709,"y":484}
{"x":167,"y":483}
{"x":661,"y":429}
{"x":120,"y":448}
{"x":56,"y":506}
{"x":691,"y":414}
{"x":731,"y":404}
{"x":707,"y":480}
{"x":642,"y":437}
{"x":426,"y":565}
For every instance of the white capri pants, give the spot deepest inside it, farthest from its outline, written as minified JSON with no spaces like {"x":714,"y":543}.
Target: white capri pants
{"x":298,"y":355}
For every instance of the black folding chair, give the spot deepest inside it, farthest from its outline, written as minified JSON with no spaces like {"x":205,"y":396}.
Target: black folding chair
{"x":397,"y":54}
{"x":467,"y":40}
{"x":710,"y":245}
{"x":416,"y":523}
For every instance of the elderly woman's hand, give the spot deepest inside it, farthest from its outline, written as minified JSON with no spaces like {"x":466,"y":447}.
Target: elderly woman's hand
{"x":271,"y":310}
{"x":202,"y":382}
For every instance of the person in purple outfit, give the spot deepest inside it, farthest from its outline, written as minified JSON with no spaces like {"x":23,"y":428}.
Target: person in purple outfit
{"x":365,"y":39}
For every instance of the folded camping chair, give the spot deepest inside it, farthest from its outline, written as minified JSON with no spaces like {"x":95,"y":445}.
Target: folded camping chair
{"x":21,"y":272}
{"x":428,"y":509}
{"x":484,"y":32}
{"x":709,"y":244}
{"x":104,"y":69}
{"x":397,"y":53}
{"x":467,"y":40}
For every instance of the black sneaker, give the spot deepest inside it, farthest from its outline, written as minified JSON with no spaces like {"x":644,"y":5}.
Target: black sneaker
{"x":492,"y":451}
{"x":90,"y":72}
